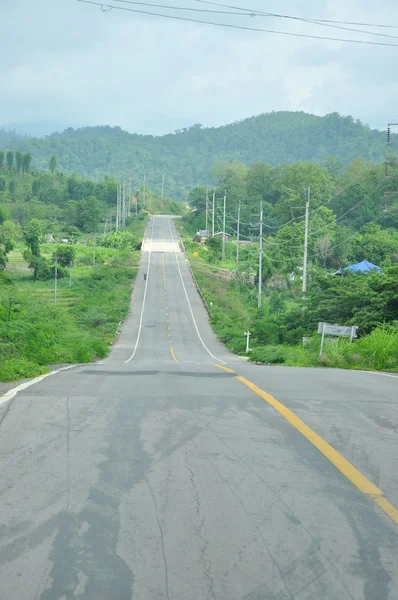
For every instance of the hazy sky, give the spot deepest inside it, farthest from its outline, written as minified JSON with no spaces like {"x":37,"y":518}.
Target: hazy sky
{"x":69,"y":63}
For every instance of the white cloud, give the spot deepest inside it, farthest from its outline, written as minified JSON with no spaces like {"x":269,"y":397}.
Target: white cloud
{"x":69,"y":62}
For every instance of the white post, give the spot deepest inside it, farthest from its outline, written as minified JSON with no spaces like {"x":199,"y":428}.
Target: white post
{"x":323,"y":339}
{"x":223,"y":227}
{"x":70,"y":274}
{"x":260,"y":259}
{"x":307,"y":206}
{"x":214,"y":205}
{"x":237,"y":242}
{"x":247,"y":334}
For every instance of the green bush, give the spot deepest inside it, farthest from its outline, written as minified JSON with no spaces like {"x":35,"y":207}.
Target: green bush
{"x":64,"y":255}
{"x":273,"y":355}
{"x":19,"y":368}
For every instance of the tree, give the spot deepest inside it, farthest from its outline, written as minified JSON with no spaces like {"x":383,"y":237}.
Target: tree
{"x":32,"y":234}
{"x":10,"y":160}
{"x":1,"y":159}
{"x":6,"y":245}
{"x":375,"y":244}
{"x":3,"y":184}
{"x":89,"y":214}
{"x":64,"y":255}
{"x":215,"y":246}
{"x":12,"y":186}
{"x":4,"y":214}
{"x":293,"y":181}
{"x":27,"y":159}
{"x":72,"y":234}
{"x":18,"y":161}
{"x":52,"y":165}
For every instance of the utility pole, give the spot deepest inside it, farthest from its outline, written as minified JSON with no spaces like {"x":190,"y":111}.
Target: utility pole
{"x":56,"y":280}
{"x":214,"y":205}
{"x":70,"y":274}
{"x":307,"y":206}
{"x":223,"y":227}
{"x":117,"y":206}
{"x":389,"y":125}
{"x":124,"y":207}
{"x":237,"y":242}
{"x":95,"y":248}
{"x":260,"y":258}
{"x":163,"y":184}
{"x":121,"y":205}
{"x":207,"y":208}
{"x":129,"y":204}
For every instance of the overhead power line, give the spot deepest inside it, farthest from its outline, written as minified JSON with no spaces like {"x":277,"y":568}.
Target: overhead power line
{"x":243,"y":13}
{"x":108,"y":7}
{"x":186,"y":8}
{"x":255,"y":12}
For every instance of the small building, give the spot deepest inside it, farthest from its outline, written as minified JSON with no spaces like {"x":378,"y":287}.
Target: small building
{"x":49,"y":237}
{"x":201,"y":236}
{"x":220,"y":235}
{"x":361,"y":267}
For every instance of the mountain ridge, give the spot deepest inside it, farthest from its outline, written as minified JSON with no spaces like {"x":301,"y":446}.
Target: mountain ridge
{"x":188,"y":155}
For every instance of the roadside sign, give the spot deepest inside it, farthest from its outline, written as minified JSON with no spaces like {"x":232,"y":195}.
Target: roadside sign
{"x":339,"y":330}
{"x":196,"y":254}
{"x":336,"y":330}
{"x":203,"y":233}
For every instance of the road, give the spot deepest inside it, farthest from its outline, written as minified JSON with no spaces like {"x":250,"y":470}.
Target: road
{"x":155,"y":475}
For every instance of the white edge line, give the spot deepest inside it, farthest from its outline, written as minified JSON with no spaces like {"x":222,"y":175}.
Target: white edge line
{"x":144,"y":298}
{"x":189,"y":304}
{"x":380,"y":374}
{"x":14,"y":391}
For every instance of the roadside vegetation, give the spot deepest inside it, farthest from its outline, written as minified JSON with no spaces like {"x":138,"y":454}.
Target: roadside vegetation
{"x":284,"y":329}
{"x":65,"y":273}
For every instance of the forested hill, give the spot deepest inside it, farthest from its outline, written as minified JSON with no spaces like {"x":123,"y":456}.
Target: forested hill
{"x":187,"y":156}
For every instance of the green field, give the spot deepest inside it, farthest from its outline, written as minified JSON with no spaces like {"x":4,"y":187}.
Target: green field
{"x":77,"y":322}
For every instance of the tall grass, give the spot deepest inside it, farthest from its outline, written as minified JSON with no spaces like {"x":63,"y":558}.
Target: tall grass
{"x":35,"y":332}
{"x":378,"y":351}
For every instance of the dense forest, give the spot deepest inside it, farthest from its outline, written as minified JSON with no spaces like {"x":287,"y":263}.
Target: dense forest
{"x":352,"y":217}
{"x":186,"y":157}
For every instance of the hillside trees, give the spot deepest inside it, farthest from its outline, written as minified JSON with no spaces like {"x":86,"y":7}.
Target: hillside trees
{"x":187,"y":156}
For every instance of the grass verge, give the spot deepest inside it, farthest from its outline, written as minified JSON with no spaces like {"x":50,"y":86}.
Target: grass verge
{"x":36,"y":332}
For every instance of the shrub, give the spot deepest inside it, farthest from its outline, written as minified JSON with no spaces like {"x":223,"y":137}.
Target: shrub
{"x":64,"y":255}
{"x":273,"y":355}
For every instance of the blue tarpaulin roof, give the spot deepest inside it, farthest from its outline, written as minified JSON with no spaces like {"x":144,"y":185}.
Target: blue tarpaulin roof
{"x":361,"y":267}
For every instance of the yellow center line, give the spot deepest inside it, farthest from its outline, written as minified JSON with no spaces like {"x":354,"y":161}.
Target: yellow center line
{"x":224,"y":368}
{"x":172,"y":354}
{"x":343,"y":465}
{"x":167,"y":307}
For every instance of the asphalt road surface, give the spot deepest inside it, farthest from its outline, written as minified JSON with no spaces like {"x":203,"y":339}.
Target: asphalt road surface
{"x":155,"y":475}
